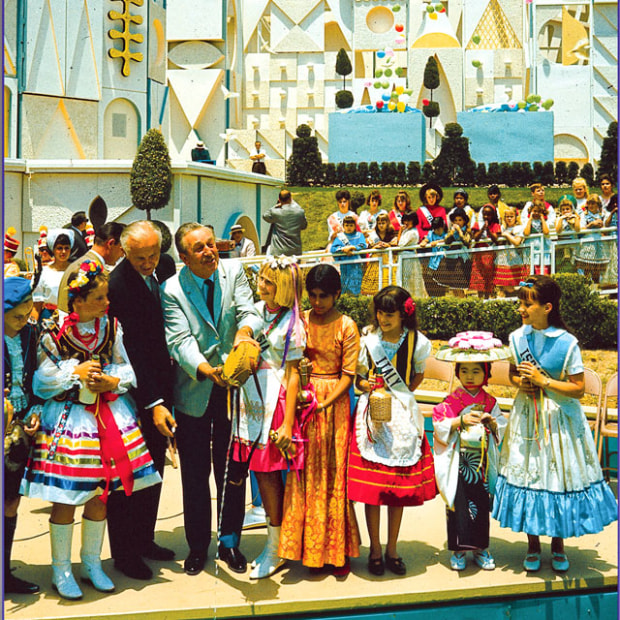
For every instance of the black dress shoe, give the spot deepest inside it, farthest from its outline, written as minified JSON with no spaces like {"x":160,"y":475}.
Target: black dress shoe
{"x":195,"y":563}
{"x":233,"y":557}
{"x":15,"y":585}
{"x":134,"y":567}
{"x":156,"y":552}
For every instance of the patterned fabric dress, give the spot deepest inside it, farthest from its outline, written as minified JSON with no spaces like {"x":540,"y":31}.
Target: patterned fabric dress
{"x":47,"y":290}
{"x":509,"y":266}
{"x":466,"y":475}
{"x":394,"y":469}
{"x":483,"y":263}
{"x":319,"y":525}
{"x":592,"y":257}
{"x":550,"y":481}
{"x":67,"y":465}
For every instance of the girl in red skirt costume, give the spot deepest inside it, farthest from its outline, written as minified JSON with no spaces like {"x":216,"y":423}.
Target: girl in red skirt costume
{"x":390,"y":463}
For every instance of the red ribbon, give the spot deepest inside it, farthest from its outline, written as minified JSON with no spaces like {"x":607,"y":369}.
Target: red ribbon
{"x":71,"y":320}
{"x":114,"y":457}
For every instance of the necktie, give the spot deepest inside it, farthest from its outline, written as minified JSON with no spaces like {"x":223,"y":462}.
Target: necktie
{"x":208,"y":291}
{"x":154,"y":286}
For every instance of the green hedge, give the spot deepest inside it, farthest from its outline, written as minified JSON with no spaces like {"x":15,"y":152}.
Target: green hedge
{"x":590,"y":316}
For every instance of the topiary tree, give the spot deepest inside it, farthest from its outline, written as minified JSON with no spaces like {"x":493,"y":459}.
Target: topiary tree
{"x":454,"y":165}
{"x":561,"y":172}
{"x":352,"y":175}
{"x":401,"y":173}
{"x":538,"y":171}
{"x":527,"y":174}
{"x":374,"y":173}
{"x":428,"y":172}
{"x":150,"y":181}
{"x":505,"y":173}
{"x":548,"y":174}
{"x":388,"y":173}
{"x":493,"y":176}
{"x":431,"y":81}
{"x":329,"y":174}
{"x":608,"y":163}
{"x":344,"y":98}
{"x":587,"y":172}
{"x":573,"y":171}
{"x":304,"y":166}
{"x":480,"y":177}
{"x":413,"y":172}
{"x":342,"y":177}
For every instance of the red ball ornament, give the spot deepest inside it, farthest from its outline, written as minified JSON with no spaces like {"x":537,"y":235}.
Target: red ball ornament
{"x":425,"y":101}
{"x":379,"y":105}
{"x":399,"y":27}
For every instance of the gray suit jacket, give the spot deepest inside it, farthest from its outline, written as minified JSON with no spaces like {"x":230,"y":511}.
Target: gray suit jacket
{"x":193,"y":337}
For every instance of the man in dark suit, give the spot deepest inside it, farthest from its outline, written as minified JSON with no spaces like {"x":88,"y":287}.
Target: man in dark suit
{"x":135,"y":302}
{"x":78,"y":226}
{"x":208,"y":308}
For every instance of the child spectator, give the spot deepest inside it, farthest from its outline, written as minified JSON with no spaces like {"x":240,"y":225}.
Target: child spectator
{"x":409,"y":262}
{"x":483,"y":263}
{"x":461,"y":201}
{"x":390,"y":460}
{"x":592,"y":258}
{"x":336,"y":219}
{"x":580,"y":192}
{"x":509,"y":265}
{"x":368,"y":218}
{"x":538,"y":193}
{"x":538,"y":224}
{"x":382,"y":237}
{"x":567,"y":225}
{"x":495,"y":196}
{"x":402,"y":205}
{"x":458,"y":264}
{"x":433,"y":273}
{"x":345,"y":244}
{"x":468,"y":430}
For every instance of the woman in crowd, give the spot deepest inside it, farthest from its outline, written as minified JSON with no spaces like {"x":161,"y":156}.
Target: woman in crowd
{"x":607,"y":189}
{"x":59,"y":242}
{"x":334,"y":221}
{"x":89,"y":443}
{"x":268,"y":416}
{"x":319,"y":525}
{"x":431,"y":196}
{"x":402,"y":205}
{"x":368,"y":217}
{"x":550,"y":481}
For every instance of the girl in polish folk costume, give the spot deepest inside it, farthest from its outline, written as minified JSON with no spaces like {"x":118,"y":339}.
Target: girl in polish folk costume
{"x":89,"y":443}
{"x":468,"y":430}
{"x":268,"y":407}
{"x":390,"y":460}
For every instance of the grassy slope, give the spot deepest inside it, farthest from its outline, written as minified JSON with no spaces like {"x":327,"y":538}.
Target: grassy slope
{"x":319,"y":202}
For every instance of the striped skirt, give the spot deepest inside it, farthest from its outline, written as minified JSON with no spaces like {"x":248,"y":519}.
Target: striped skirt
{"x":76,"y":473}
{"x":382,"y":485}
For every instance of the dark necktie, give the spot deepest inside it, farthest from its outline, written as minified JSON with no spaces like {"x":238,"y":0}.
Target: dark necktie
{"x":208,"y":291}
{"x":154,"y":286}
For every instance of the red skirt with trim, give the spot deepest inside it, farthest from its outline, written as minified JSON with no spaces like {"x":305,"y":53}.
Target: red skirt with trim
{"x":383,"y":485}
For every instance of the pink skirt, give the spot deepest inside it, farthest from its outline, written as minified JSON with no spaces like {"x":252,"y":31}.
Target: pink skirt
{"x":269,"y":458}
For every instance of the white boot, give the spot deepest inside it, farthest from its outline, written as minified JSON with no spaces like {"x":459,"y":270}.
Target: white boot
{"x":261,"y":555}
{"x":268,"y":562}
{"x":91,"y":570}
{"x":62,"y":577}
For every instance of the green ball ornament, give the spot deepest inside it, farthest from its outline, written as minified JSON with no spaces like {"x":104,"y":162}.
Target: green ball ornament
{"x":388,"y":73}
{"x":378,"y":73}
{"x":476,"y":39}
{"x":396,"y":8}
{"x":430,"y":9}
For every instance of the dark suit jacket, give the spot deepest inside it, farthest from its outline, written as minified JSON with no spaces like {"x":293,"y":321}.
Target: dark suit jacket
{"x":79,"y":246}
{"x":141,"y":316}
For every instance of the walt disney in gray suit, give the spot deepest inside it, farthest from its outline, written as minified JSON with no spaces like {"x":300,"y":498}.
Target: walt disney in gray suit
{"x":204,"y":306}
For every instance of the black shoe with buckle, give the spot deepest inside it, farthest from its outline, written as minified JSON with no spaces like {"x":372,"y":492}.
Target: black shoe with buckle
{"x":233,"y":557}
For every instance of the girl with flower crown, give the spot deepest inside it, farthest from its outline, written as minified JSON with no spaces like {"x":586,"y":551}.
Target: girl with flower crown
{"x":390,"y":461}
{"x":468,"y":430}
{"x":267,"y":411}
{"x":89,"y":443}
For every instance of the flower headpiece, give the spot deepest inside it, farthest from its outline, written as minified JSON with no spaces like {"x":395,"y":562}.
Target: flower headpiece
{"x":474,"y":346}
{"x":87,"y":272}
{"x":281,"y":262}
{"x":409,"y":307}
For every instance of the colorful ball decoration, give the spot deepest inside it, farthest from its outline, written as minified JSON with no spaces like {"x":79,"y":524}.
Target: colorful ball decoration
{"x":399,"y":40}
{"x":378,"y":73}
{"x":400,"y":90}
{"x":377,"y":84}
{"x":381,"y":54}
{"x":379,"y":105}
{"x":476,"y":39}
{"x":399,"y":71}
{"x":430,"y":9}
{"x":391,"y":106}
{"x":396,"y":8}
{"x":432,"y":16}
{"x":399,"y":27}
{"x":400,"y":106}
{"x":385,"y":97}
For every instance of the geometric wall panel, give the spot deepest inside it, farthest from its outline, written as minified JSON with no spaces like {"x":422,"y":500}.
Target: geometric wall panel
{"x":195,"y":55}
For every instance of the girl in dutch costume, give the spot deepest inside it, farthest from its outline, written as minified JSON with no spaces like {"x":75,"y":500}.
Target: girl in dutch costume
{"x":550,"y":481}
{"x":468,"y":428}
{"x":390,"y":460}
{"x":268,"y":406}
{"x":89,"y":443}
{"x":21,"y":411}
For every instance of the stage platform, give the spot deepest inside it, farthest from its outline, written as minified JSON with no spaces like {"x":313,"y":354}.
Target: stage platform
{"x":429,"y":589}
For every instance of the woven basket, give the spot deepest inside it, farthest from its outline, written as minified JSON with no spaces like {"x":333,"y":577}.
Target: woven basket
{"x":241,"y":363}
{"x":380,"y":403}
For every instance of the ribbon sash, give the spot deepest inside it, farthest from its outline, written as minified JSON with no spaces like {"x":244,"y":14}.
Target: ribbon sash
{"x":392,"y":379}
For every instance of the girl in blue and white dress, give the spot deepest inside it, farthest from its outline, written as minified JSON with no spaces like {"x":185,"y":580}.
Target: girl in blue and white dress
{"x":593,"y":257}
{"x":550,"y":481}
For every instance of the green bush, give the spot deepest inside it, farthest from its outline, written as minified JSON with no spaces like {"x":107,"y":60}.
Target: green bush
{"x":352,"y":176}
{"x":374,"y":173}
{"x":480,"y":176}
{"x":527,"y":174}
{"x":341,"y":174}
{"x":573,"y":171}
{"x":587,"y":172}
{"x":493,"y":176}
{"x":305,"y":166}
{"x":608,"y":162}
{"x":413,"y":172}
{"x":329,"y":174}
{"x":428,"y":173}
{"x":362,"y":173}
{"x":548,"y":174}
{"x":401,"y":173}
{"x":357,"y":200}
{"x":344,"y":99}
{"x":561,"y":172}
{"x":538,"y":171}
{"x":388,"y":173}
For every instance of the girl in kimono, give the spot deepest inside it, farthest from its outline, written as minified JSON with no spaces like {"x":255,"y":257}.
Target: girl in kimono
{"x":468,"y":430}
{"x":89,"y":443}
{"x":550,"y":481}
{"x":270,"y":414}
{"x":390,"y":462}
